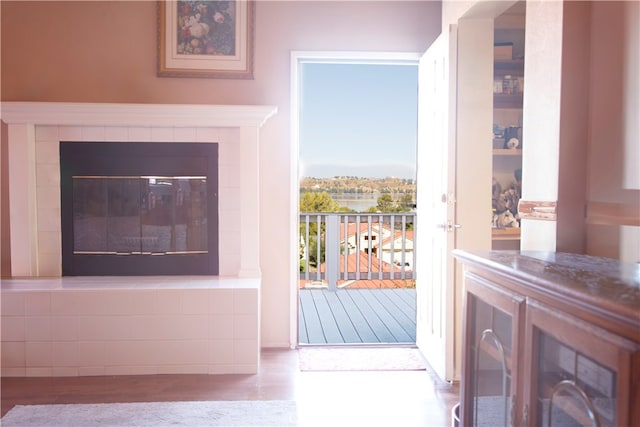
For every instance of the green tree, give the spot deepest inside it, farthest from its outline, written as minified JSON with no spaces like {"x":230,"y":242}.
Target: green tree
{"x":405,"y":203}
{"x":386,"y":203}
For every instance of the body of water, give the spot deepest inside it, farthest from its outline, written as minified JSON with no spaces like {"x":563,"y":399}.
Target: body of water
{"x":357,"y":202}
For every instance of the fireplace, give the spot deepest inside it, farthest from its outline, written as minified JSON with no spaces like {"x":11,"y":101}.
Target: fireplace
{"x":139,"y":208}
{"x":37,"y":130}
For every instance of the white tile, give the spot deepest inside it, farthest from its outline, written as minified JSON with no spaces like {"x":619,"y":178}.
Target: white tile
{"x":221,"y":301}
{"x":159,"y":134}
{"x":37,"y":303}
{"x":183,"y":352}
{"x":207,"y":134}
{"x":221,"y":327}
{"x":171,"y":369}
{"x":46,"y":132}
{"x":38,"y":354}
{"x":64,"y":353}
{"x":167,"y":302}
{"x":192,"y":327}
{"x":140,"y":134}
{"x":230,"y":199}
{"x":118,"y":370}
{"x":184,"y":134}
{"x":93,"y":133}
{"x":228,"y":177}
{"x":12,"y":303}
{"x":70,"y":133}
{"x":116,"y":134}
{"x":91,"y":371}
{"x":108,"y":328}
{"x":145,"y":370}
{"x":245,"y":369}
{"x":37,"y":328}
{"x":229,"y":136}
{"x":91,"y":353}
{"x":105,"y":302}
{"x":245,"y":327}
{"x":13,"y":354}
{"x":13,"y":372}
{"x":48,"y":152}
{"x":64,"y":371}
{"x":49,"y":219}
{"x":195,"y":301}
{"x":229,"y":265}
{"x":145,"y":328}
{"x":220,"y":369}
{"x":12,"y":328}
{"x":50,"y":264}
{"x":39,"y":372}
{"x":221,"y":352}
{"x":48,"y":175}
{"x":229,"y":157}
{"x":230,"y":243}
{"x":49,"y":242}
{"x":246,"y":352}
{"x":245,"y":301}
{"x":47,"y":198}
{"x":64,"y":303}
{"x":64,"y":328}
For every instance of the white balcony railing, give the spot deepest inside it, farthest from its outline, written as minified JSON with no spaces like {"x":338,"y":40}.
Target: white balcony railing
{"x":340,"y":247}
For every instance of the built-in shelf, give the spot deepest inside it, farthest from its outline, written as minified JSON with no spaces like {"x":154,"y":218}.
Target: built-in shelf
{"x":502,"y":100}
{"x":507,"y":152}
{"x":512,"y":233}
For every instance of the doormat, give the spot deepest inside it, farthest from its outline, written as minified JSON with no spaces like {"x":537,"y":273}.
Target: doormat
{"x":361,"y":359}
{"x":211,"y":413}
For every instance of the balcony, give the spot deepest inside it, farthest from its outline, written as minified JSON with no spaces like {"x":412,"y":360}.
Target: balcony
{"x":357,"y":282}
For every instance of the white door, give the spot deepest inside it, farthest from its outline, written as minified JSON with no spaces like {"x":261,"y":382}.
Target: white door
{"x":436,"y":203}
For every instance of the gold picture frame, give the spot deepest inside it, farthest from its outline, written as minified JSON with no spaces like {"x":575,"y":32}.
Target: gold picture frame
{"x":199,"y":38}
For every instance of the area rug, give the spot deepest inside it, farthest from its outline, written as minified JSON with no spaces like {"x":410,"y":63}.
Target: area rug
{"x":361,"y":359}
{"x":210,"y":413}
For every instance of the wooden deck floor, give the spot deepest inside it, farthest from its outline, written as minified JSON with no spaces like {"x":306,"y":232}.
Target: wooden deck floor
{"x":357,"y":316}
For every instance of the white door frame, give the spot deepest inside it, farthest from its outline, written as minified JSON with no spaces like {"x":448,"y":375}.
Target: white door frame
{"x":298,"y":58}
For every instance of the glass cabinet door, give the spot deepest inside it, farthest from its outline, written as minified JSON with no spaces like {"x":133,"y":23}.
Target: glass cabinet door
{"x":491,"y":340}
{"x":574,"y":372}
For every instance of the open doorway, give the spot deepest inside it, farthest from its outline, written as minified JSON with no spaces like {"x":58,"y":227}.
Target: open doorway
{"x":355,"y":128}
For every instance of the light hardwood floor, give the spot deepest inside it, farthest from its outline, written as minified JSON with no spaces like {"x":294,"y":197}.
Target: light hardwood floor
{"x":360,"y":398}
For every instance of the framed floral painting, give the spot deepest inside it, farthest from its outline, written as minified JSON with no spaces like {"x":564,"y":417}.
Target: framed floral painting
{"x":201,"y":38}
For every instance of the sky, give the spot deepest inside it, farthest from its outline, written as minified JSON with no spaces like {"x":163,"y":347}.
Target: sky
{"x":358,"y":120}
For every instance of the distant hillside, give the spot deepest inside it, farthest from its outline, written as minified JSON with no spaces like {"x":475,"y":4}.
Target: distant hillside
{"x":352,"y":184}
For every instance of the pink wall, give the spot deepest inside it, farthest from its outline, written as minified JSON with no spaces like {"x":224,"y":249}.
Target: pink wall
{"x":5,"y":260}
{"x":90,"y":51}
{"x":613,"y":149}
{"x":106,"y":51}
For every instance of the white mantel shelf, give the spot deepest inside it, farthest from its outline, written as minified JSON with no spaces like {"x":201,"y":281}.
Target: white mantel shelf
{"x":104,"y":114}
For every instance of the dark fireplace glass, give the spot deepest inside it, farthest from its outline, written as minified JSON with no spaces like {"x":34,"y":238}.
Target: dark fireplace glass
{"x":139,"y":215}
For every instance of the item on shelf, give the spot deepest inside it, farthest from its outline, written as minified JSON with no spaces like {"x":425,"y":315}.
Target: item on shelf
{"x":503,"y":51}
{"x":504,"y":204}
{"x":497,"y":86}
{"x":498,"y":136}
{"x":512,"y":137}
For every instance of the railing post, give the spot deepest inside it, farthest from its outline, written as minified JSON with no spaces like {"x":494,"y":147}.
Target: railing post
{"x":332,"y":251}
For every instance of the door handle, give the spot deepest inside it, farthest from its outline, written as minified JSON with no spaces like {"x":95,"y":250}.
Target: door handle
{"x":449,"y":226}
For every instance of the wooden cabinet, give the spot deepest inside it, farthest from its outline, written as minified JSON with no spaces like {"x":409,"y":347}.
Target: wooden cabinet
{"x":550,"y":340}
{"x":507,"y":159}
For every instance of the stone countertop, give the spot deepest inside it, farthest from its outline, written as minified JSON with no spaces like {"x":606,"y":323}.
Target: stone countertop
{"x":602,"y":282}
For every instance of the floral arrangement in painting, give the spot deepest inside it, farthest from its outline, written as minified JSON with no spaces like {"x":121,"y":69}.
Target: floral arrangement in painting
{"x":206,"y":27}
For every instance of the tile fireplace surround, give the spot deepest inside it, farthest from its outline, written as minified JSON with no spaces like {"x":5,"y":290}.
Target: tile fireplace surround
{"x":70,"y":326}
